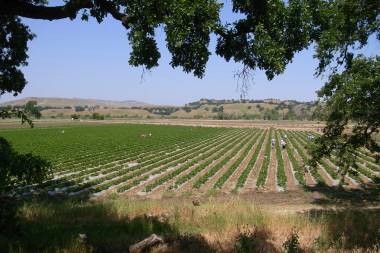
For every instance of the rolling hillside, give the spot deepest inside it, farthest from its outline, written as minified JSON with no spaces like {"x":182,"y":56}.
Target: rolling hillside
{"x":268,"y":109}
{"x":62,"y":102}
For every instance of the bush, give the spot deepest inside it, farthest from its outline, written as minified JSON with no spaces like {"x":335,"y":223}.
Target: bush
{"x":75,"y":116}
{"x":246,"y":241}
{"x":97,"y":116}
{"x":79,"y":108}
{"x":291,"y":244}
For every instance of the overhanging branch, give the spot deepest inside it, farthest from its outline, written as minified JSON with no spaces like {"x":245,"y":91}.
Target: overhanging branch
{"x":27,"y":10}
{"x":69,"y":10}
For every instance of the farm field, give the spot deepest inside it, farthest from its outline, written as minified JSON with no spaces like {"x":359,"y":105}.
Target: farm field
{"x":152,"y":161}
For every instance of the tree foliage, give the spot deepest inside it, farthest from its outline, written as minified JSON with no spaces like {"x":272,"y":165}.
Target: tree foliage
{"x":20,"y":169}
{"x":32,"y":110}
{"x":17,"y":170}
{"x":351,"y":97}
{"x":13,"y":47}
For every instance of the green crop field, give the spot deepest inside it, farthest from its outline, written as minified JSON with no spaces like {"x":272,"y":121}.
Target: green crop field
{"x":150,"y":160}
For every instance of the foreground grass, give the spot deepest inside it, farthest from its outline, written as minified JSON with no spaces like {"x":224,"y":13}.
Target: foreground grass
{"x":113,"y":224}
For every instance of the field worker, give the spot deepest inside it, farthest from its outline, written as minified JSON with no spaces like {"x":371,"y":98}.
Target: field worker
{"x":273,"y":142}
{"x":283,"y":144}
{"x":285,"y":136}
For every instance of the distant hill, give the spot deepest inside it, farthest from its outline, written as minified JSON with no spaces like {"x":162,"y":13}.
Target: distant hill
{"x":62,"y":102}
{"x":226,"y":109}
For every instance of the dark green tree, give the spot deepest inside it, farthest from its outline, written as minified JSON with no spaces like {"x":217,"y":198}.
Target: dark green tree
{"x":32,"y":110}
{"x":75,"y":116}
{"x":187,"y":108}
{"x":79,"y":108}
{"x":97,"y":116}
{"x":351,"y":97}
{"x":16,"y":170}
{"x":20,"y":169}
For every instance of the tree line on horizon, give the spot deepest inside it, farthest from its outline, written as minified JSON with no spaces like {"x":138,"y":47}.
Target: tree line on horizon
{"x":295,"y":110}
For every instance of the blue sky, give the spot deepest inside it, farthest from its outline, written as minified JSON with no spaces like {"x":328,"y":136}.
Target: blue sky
{"x":78,"y":59}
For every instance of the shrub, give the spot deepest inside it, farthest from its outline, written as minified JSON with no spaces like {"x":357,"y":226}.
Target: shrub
{"x":291,"y":244}
{"x":79,"y":108}
{"x":246,"y":241}
{"x":97,"y":116}
{"x":75,"y":116}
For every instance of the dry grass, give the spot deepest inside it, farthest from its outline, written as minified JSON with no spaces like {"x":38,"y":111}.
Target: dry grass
{"x":212,"y":226}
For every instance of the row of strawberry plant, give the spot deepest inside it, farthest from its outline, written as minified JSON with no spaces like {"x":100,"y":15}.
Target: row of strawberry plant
{"x":62,"y":150}
{"x":202,"y":180}
{"x":368,"y":157}
{"x":281,"y":176}
{"x":219,"y":145}
{"x":244,"y":175}
{"x":368,"y":162}
{"x":298,"y":174}
{"x":112,"y":170}
{"x":220,"y":182}
{"x":218,"y":153}
{"x":363,"y":171}
{"x":313,"y":171}
{"x":182,"y":168}
{"x":119,"y":177}
{"x":352,"y":174}
{"x":178,"y":171}
{"x":368,"y":174}
{"x":160,"y":159}
{"x":325,"y":163}
{"x":263,"y":174}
